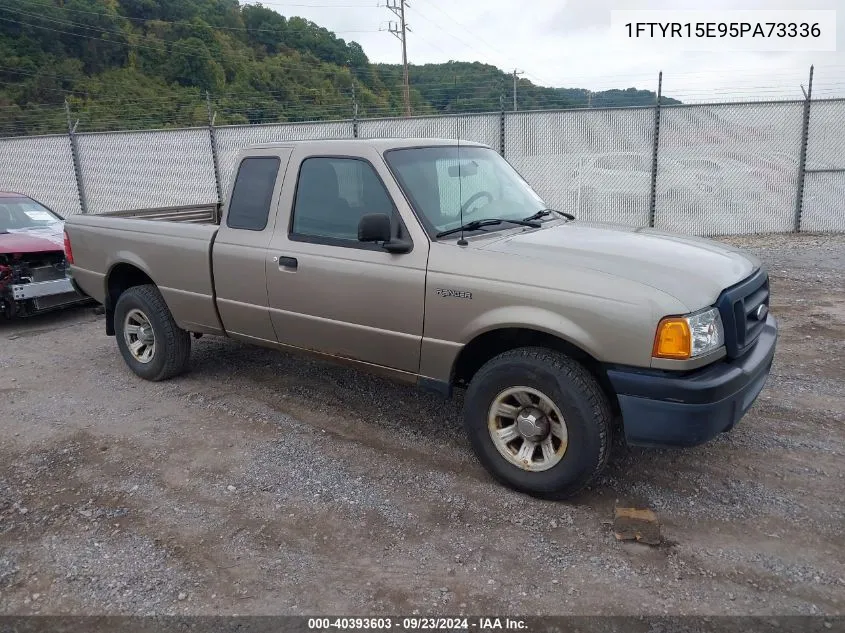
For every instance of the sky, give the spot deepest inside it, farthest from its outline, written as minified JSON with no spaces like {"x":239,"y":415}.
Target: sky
{"x":569,"y":43}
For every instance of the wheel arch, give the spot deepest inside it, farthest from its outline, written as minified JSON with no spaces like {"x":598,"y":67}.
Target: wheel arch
{"x":489,"y":344}
{"x":121,"y":276}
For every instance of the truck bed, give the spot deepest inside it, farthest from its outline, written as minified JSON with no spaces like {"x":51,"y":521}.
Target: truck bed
{"x":175,"y":254}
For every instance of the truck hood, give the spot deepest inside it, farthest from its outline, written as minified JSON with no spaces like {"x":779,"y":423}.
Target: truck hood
{"x":40,"y":240}
{"x":693,"y":270}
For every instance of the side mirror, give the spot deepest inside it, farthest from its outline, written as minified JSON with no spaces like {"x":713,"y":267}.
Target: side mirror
{"x":374,"y":227}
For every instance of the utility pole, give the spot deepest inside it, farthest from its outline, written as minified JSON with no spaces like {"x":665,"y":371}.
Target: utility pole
{"x":400,"y":31}
{"x":515,"y":74}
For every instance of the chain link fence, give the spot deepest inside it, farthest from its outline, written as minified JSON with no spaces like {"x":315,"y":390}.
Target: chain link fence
{"x":231,"y":139}
{"x":42,"y":168}
{"x":694,"y":169}
{"x":478,"y":128}
{"x":159,"y":168}
{"x":595,"y":164}
{"x":824,"y":175}
{"x":728,"y":168}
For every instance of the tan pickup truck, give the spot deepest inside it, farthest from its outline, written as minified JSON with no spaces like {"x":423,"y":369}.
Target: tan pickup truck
{"x":433,"y":262}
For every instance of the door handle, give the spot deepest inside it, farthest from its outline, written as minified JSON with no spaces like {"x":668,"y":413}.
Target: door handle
{"x":288,"y":262}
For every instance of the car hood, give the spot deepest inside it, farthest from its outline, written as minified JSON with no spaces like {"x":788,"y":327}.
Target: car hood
{"x":693,"y":270}
{"x":40,"y":240}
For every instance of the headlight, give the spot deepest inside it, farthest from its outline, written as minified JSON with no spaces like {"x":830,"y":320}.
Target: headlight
{"x":689,"y":336}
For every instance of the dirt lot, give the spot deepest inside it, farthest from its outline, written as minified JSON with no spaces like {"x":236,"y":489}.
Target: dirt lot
{"x":265,"y":483}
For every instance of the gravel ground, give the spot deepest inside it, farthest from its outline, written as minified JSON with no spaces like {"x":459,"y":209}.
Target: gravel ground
{"x":264,"y":483}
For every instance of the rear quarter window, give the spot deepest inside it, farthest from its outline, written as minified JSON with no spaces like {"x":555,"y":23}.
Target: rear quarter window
{"x":252,"y":194}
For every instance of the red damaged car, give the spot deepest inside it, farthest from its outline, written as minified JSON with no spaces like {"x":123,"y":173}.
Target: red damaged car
{"x":32,"y":258}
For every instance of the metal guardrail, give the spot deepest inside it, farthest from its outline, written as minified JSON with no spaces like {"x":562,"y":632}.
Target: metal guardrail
{"x":196,"y":213}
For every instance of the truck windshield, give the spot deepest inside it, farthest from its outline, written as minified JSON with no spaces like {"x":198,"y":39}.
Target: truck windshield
{"x":440,"y":181}
{"x":20,"y":214}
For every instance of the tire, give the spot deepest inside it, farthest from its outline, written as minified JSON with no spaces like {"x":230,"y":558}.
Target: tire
{"x":581,"y":444}
{"x":164,"y":356}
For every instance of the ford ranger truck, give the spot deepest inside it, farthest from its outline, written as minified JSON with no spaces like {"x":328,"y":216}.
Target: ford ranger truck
{"x":434,"y":263}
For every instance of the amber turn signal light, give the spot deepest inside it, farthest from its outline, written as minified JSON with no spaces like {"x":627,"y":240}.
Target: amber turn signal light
{"x":673,"y":339}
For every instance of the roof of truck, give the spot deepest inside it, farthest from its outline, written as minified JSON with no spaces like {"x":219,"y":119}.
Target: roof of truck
{"x":380,"y":144}
{"x":11,"y":194}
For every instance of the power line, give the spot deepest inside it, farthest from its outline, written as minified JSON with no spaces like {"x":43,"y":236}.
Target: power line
{"x":173,"y":47}
{"x":435,"y":85}
{"x":475,"y":35}
{"x":185,"y":23}
{"x":95,"y":27}
{"x":440,"y":28}
{"x":274,"y":3}
{"x":188,"y":51}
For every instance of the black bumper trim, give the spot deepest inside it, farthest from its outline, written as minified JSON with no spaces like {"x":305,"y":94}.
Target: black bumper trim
{"x":665,"y":409}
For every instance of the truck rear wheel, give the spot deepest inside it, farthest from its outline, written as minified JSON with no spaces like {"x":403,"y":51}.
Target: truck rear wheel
{"x":149,"y":340}
{"x":538,"y":422}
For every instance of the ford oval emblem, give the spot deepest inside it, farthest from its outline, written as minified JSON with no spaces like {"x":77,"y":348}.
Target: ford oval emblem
{"x":761,"y":312}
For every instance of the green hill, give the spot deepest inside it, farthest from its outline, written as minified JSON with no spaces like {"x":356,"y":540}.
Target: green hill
{"x":129,"y":64}
{"x":473,"y":87}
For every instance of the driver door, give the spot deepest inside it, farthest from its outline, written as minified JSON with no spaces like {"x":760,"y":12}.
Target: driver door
{"x":327,"y":291}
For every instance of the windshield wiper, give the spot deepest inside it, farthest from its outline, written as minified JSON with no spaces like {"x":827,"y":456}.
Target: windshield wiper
{"x":477,"y":224}
{"x":542,"y":213}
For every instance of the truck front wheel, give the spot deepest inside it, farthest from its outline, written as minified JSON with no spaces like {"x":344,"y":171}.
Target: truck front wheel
{"x":538,"y":421}
{"x":149,"y":340}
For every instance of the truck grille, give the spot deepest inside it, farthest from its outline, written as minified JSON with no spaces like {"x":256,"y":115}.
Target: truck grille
{"x":739,"y":308}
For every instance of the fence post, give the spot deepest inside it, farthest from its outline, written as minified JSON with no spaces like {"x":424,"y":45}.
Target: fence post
{"x":652,"y":196}
{"x":502,"y":125}
{"x":74,"y":155}
{"x":802,"y":157}
{"x":212,"y":137}
{"x":354,"y":110}
{"x":502,"y":115}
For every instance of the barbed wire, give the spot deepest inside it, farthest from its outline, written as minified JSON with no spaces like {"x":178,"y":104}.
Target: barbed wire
{"x":194,"y":116}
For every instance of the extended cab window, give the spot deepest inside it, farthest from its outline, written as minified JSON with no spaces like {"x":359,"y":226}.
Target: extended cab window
{"x":252,"y":194}
{"x":331,"y":196}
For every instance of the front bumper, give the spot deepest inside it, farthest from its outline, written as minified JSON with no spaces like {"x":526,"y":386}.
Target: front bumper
{"x":659,"y":409}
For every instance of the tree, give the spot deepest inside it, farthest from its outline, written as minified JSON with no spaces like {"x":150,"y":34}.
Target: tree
{"x":191,"y":64}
